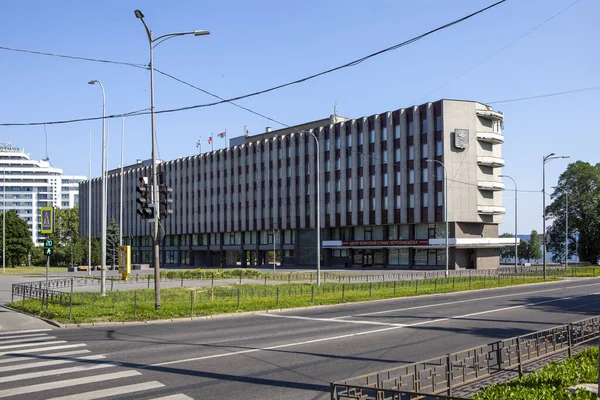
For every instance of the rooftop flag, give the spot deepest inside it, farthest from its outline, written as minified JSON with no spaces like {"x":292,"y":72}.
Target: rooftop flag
{"x":209,"y":139}
{"x":223,"y":134}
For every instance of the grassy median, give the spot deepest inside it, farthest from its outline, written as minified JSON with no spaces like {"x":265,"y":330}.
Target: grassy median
{"x":138,"y":305}
{"x":550,"y":382}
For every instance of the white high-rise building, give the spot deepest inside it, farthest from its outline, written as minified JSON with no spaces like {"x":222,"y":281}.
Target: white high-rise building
{"x":28,"y":185}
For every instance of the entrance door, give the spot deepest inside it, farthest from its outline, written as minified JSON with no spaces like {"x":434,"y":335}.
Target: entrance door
{"x":367,"y":260}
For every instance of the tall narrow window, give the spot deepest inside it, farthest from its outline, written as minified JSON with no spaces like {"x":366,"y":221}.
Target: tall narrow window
{"x":384,"y":133}
{"x":424,"y":152}
{"x":411,"y":176}
{"x":411,"y":153}
{"x":425,"y":175}
{"x":397,"y":132}
{"x":410,"y":129}
{"x":411,"y":201}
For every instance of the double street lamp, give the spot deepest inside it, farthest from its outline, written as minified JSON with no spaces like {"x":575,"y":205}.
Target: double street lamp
{"x":104,"y":196}
{"x":153,"y":42}
{"x":549,"y":157}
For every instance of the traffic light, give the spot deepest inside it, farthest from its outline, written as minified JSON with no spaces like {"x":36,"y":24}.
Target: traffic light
{"x":166,"y":201}
{"x":145,"y":209}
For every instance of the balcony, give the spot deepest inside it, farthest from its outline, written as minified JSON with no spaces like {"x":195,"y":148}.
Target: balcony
{"x":490,"y":161}
{"x":490,"y":114}
{"x":490,"y":185}
{"x":490,"y":137}
{"x":490,"y":210}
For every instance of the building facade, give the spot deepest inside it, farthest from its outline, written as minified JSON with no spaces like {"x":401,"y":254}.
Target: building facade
{"x":28,"y":185}
{"x":381,"y":201}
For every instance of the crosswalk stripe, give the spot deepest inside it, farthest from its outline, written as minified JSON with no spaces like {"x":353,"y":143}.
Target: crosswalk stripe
{"x":42,"y":356}
{"x":65,"y":346}
{"x":22,"y":336}
{"x":28,"y":340}
{"x":11,"y":368}
{"x":178,"y":396}
{"x":27,"y":331}
{"x":39,"y":374}
{"x":100,"y":394}
{"x":66,"y":383}
{"x":15,"y":346}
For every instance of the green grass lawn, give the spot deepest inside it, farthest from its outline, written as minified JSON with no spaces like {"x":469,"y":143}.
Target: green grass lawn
{"x":550,"y":381}
{"x":138,"y":305}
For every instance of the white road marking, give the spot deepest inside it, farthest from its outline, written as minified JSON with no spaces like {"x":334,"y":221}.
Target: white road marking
{"x":22,"y":336}
{"x":178,"y":396}
{"x":11,"y":368}
{"x":464,"y":301}
{"x":39,"y":374}
{"x":66,"y":383}
{"x":16,"y":346}
{"x":330,"y":338}
{"x":28,"y":340}
{"x":27,"y":331}
{"x":66,"y":346}
{"x":100,"y":394}
{"x":23,"y":358}
{"x":332,"y":320}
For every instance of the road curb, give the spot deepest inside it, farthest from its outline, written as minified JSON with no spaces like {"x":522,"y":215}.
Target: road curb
{"x":46,"y":320}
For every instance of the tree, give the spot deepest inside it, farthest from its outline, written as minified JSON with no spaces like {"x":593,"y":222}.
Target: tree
{"x":507,"y":251}
{"x":112,"y":243}
{"x":69,"y":248}
{"x":524,"y":250}
{"x":580,"y":182}
{"x":534,"y":248}
{"x":18,"y":239}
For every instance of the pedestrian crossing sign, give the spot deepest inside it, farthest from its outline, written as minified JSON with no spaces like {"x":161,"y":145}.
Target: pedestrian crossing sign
{"x":47,"y":219}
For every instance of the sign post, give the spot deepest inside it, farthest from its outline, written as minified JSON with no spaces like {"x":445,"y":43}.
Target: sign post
{"x":47,"y":223}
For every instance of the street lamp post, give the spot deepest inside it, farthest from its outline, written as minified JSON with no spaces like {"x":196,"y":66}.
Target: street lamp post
{"x":547,"y":158}
{"x":566,"y":229}
{"x":318,"y":207}
{"x":4,"y":224}
{"x":153,"y":42}
{"x":121,"y":203}
{"x":104,"y":194}
{"x":445,"y":207}
{"x":516,"y":211}
{"x":89,"y":271}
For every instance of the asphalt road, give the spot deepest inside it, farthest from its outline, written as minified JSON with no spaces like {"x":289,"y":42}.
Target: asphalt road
{"x":283,"y":355}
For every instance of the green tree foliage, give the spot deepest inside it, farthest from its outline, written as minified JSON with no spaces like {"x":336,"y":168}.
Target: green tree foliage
{"x":18,"y":239}
{"x":68,"y":247}
{"x":534,"y":248}
{"x":524,"y":250}
{"x":112,"y":243}
{"x":507,"y":251}
{"x":580,"y":182}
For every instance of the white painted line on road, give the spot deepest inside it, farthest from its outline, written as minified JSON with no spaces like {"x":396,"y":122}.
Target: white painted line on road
{"x":18,"y":352}
{"x":27,"y":331}
{"x":11,"y":368}
{"x":463,"y":301}
{"x":39,"y":374}
{"x":22,"y":336}
{"x":42,"y":356}
{"x":27,"y":340}
{"x":66,"y":383}
{"x":331,"y":320}
{"x":178,"y":396}
{"x":100,"y":394}
{"x":16,"y":346}
{"x":330,"y":338}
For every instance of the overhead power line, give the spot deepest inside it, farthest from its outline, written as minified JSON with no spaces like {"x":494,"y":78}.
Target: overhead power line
{"x":586,"y":89}
{"x":347,"y":65}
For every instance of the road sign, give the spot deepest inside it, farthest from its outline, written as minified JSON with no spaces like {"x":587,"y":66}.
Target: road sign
{"x":48,"y":251}
{"x":48,"y":243}
{"x":47,"y":216}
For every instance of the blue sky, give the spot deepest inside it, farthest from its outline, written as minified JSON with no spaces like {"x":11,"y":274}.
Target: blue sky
{"x":255,"y":45}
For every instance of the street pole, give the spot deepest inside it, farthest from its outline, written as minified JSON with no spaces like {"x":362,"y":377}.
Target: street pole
{"x":104,"y":194}
{"x":566,"y":229}
{"x":89,"y":271}
{"x":155,"y":232}
{"x":122,"y":161}
{"x":547,"y":158}
{"x":516,"y":219}
{"x":318,"y":209}
{"x":445,"y":208}
{"x":4,"y":223}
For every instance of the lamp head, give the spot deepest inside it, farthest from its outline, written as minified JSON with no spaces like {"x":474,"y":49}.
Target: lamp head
{"x":566,"y":157}
{"x":201,"y":33}
{"x":550,"y":155}
{"x":139,"y":14}
{"x":92,"y":82}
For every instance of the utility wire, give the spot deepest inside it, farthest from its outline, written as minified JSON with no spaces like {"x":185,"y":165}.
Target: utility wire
{"x":141,"y":66}
{"x":499,"y":51}
{"x":586,"y":89}
{"x":347,"y":65}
